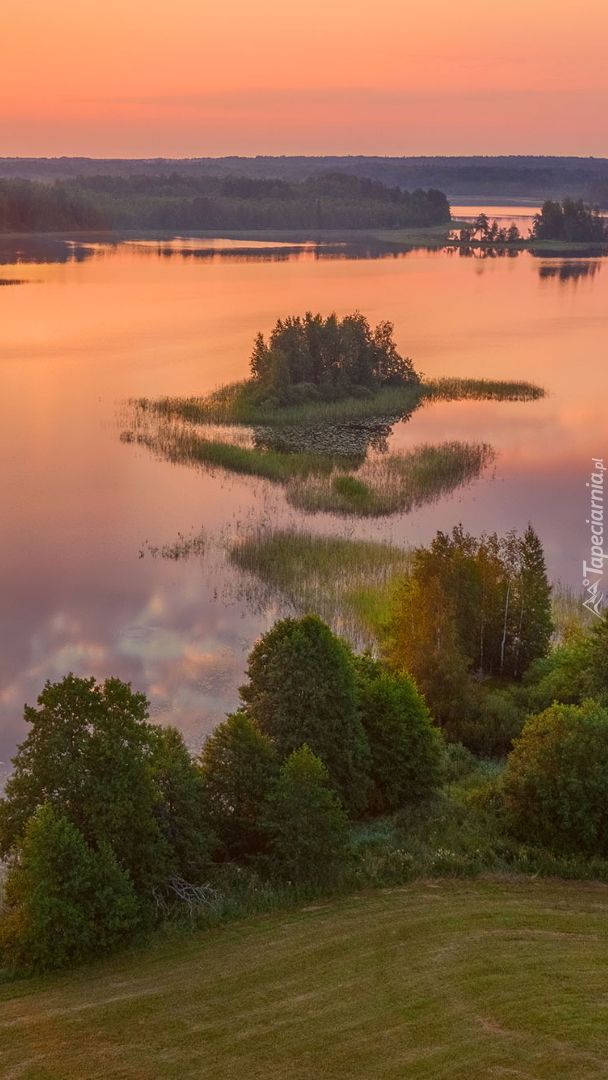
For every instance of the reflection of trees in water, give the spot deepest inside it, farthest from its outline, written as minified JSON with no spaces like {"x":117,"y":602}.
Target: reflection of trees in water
{"x":367,"y":248}
{"x":569,"y":270}
{"x":43,"y":250}
{"x":484,"y":251}
{"x":352,"y":439}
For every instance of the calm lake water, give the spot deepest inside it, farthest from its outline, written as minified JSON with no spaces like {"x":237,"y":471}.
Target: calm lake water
{"x":92,"y":324}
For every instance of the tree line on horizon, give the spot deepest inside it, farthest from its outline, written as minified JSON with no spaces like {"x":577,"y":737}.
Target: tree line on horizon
{"x":331,"y":201}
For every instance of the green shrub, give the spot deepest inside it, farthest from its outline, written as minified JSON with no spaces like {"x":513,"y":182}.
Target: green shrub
{"x":458,"y":763}
{"x":64,"y":900}
{"x":90,"y":752}
{"x":555,"y":786}
{"x":306,"y":821}
{"x":182,"y":811}
{"x":489,"y":722}
{"x":302,"y":689}
{"x":405,"y":748}
{"x":239,"y":765}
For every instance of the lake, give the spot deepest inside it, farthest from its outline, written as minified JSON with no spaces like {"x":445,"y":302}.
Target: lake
{"x":86,"y":325}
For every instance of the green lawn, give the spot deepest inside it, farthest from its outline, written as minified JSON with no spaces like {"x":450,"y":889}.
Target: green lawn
{"x":493,"y":978}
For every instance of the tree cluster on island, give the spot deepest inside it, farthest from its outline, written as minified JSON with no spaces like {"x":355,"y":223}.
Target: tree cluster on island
{"x":110,"y":825}
{"x":324,"y":359}
{"x":331,"y":201}
{"x":570,"y":220}
{"x":484,"y":231}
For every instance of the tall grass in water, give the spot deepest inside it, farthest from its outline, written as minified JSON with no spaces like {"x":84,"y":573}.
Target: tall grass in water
{"x":348,"y":582}
{"x":394,"y":484}
{"x":320,"y":482}
{"x":454,"y":389}
{"x":232,"y":403}
{"x":184,"y":445}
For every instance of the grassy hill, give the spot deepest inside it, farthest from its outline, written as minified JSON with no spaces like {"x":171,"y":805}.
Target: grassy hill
{"x":437,"y":980}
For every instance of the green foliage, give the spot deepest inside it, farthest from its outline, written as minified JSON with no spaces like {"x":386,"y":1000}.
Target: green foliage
{"x":565,"y":675}
{"x":307,"y":824}
{"x":239,"y":765}
{"x":311,"y":357}
{"x":65,"y":901}
{"x":302,"y":689}
{"x":182,"y":811}
{"x":334,"y":201}
{"x":556,"y":782}
{"x":468,"y":606}
{"x":89,"y":753}
{"x":405,"y":748}
{"x":486,"y":720}
{"x":570,"y":219}
{"x":598,"y":661}
{"x":237,"y":403}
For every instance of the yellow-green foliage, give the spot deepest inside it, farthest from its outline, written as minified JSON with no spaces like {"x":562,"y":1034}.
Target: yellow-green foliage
{"x":348,"y":582}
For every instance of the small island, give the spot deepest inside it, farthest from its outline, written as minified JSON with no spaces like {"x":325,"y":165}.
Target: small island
{"x":316,"y":370}
{"x":323,"y":392}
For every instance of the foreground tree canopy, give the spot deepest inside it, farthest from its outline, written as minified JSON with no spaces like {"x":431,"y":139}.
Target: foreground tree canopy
{"x":316,"y":358}
{"x":472,"y":608}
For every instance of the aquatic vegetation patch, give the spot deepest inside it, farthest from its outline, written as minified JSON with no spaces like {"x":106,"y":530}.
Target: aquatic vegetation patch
{"x":234,"y":403}
{"x":322,"y":483}
{"x":184,"y":445}
{"x":348,"y":582}
{"x":394,"y":484}
{"x":182,"y":548}
{"x":454,"y":389}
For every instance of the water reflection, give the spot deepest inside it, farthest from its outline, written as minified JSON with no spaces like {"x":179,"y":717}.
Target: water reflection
{"x":42,"y":250}
{"x":110,"y":323}
{"x":570,"y":270}
{"x":353,"y":440}
{"x":47,"y":250}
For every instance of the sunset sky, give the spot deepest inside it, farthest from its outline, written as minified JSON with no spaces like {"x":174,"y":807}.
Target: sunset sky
{"x":190,"y":78}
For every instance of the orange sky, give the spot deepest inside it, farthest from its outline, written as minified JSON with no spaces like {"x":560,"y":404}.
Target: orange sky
{"x":194,"y":78}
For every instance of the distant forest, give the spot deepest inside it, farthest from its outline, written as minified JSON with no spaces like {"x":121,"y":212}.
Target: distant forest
{"x":332,"y":201}
{"x":462,"y":178}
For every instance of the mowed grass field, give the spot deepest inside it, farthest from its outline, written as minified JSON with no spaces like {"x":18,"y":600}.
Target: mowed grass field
{"x":446,"y":979}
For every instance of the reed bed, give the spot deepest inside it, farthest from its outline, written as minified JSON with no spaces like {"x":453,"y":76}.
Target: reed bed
{"x":183,"y":445}
{"x":323,"y":483}
{"x":232,"y":404}
{"x":395,"y":484}
{"x":454,"y":389}
{"x":350,"y":583}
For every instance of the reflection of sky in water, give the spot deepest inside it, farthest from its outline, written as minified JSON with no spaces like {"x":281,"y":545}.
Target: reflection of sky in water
{"x":79,"y":505}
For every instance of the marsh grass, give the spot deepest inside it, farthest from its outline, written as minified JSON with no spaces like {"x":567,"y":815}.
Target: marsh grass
{"x":233,"y":404}
{"x":184,"y":445}
{"x":349,"y":583}
{"x":319,"y":483}
{"x":397,"y":483}
{"x":454,"y":389}
{"x":182,"y":548}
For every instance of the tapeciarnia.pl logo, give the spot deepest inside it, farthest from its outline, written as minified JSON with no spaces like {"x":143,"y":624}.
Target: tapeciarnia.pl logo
{"x":593,"y":571}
